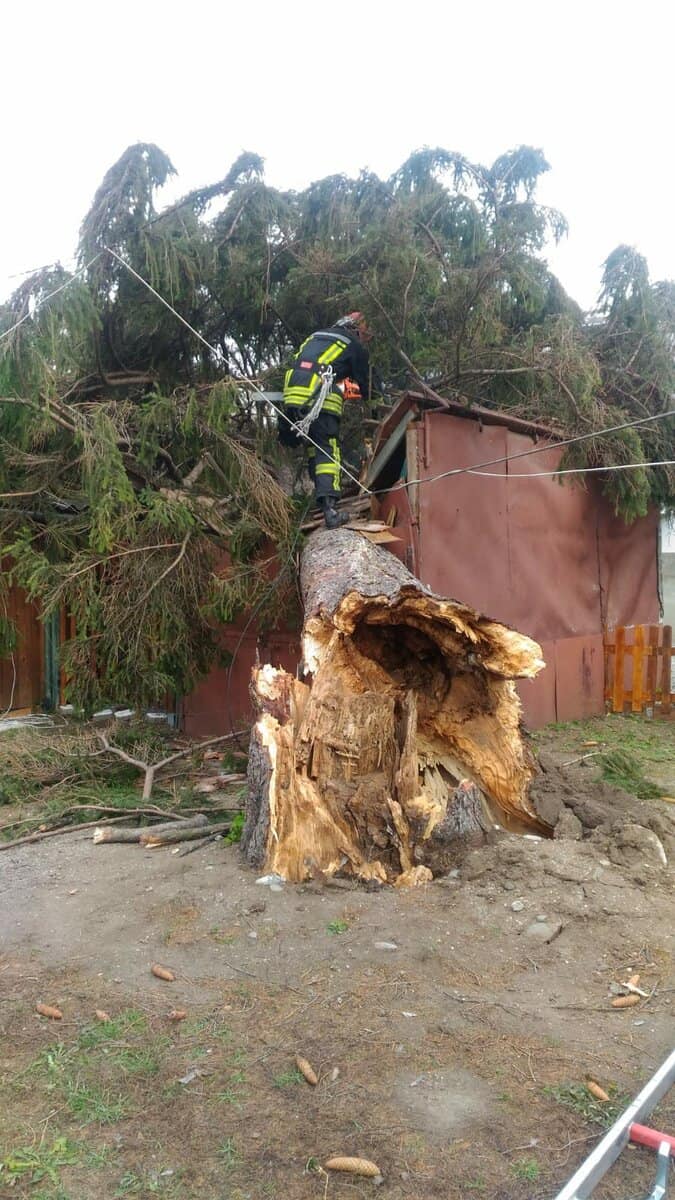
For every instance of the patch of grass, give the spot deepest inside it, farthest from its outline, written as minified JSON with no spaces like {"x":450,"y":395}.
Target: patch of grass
{"x":477,"y":1184}
{"x":229,"y":1096}
{"x":195,"y":1025}
{"x":337,"y":926}
{"x":62,"y":1068}
{"x":90,"y":1103}
{"x":526,"y":1168}
{"x":222,"y":938}
{"x":99,"y":1158}
{"x":131,"y":1020}
{"x":228,"y":1154}
{"x":35,"y":1164}
{"x":620,"y":768}
{"x":150,"y":1183}
{"x":288,"y":1078}
{"x":141,"y":1061}
{"x":576,"y":1097}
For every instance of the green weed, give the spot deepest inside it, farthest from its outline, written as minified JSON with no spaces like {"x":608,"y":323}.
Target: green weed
{"x":150,"y":1183}
{"x":337,"y":926}
{"x":36,"y":1164}
{"x":526,"y":1168}
{"x":576,"y":1097}
{"x":99,"y":1158}
{"x":228,"y":1154}
{"x":236,"y":829}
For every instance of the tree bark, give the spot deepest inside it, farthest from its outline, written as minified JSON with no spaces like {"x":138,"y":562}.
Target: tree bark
{"x":405,"y":743}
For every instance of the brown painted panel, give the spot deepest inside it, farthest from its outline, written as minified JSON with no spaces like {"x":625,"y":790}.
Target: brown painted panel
{"x":538,"y":695}
{"x":628,"y":567}
{"x":221,"y":702}
{"x":553,"y":572}
{"x":463,"y":549}
{"x":580,"y":682}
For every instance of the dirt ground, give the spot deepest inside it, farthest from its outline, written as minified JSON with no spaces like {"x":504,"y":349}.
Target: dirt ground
{"x":453,"y":1026}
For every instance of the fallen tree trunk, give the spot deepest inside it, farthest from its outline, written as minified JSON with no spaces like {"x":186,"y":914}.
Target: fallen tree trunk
{"x":407,"y":741}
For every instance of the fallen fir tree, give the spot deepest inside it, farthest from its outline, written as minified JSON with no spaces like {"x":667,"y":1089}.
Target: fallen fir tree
{"x":143,"y":490}
{"x":407,"y":740}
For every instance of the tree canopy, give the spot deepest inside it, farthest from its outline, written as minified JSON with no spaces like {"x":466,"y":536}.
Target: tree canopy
{"x":141,"y":483}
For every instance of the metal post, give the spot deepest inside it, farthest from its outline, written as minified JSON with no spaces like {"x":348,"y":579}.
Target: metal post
{"x":608,"y":1150}
{"x":661,"y":1186}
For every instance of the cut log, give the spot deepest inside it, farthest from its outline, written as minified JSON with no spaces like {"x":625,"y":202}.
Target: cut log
{"x":405,"y":743}
{"x":136,"y":835}
{"x":169,"y":837}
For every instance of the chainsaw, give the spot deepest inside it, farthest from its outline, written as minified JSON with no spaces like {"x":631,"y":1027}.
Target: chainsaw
{"x":349,"y":389}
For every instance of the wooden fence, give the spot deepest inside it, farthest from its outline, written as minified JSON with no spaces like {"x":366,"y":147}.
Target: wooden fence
{"x":638,"y":668}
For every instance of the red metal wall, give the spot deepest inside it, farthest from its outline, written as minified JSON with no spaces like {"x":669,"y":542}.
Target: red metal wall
{"x":546,"y":557}
{"x":221,"y":703}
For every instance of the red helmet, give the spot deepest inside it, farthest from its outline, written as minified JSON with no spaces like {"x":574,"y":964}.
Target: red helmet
{"x":356,"y":323}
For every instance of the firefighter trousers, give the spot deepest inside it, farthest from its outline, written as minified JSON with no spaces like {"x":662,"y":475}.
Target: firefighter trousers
{"x":324,"y":458}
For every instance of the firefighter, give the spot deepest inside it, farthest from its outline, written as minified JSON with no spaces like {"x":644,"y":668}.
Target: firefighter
{"x":314,"y":392}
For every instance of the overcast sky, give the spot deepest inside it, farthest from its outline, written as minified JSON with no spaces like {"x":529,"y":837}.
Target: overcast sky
{"x":319,"y":89}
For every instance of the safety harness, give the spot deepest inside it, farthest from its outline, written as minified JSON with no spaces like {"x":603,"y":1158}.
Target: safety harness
{"x":327,"y":376}
{"x":308,"y":384}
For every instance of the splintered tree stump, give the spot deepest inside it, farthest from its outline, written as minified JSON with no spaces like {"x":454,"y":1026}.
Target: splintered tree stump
{"x":404,"y":745}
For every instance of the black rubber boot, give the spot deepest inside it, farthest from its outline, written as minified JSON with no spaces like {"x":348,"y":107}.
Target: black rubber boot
{"x":331,"y":516}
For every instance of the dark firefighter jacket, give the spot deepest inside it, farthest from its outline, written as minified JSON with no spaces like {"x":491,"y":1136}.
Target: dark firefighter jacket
{"x":333,"y":347}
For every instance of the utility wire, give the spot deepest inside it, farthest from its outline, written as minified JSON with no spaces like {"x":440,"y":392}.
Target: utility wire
{"x":493,"y":462}
{"x":6,"y":332}
{"x":668,"y":462}
{"x":242,"y":378}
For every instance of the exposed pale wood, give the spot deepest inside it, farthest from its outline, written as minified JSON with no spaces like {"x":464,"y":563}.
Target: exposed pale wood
{"x":408,"y":738}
